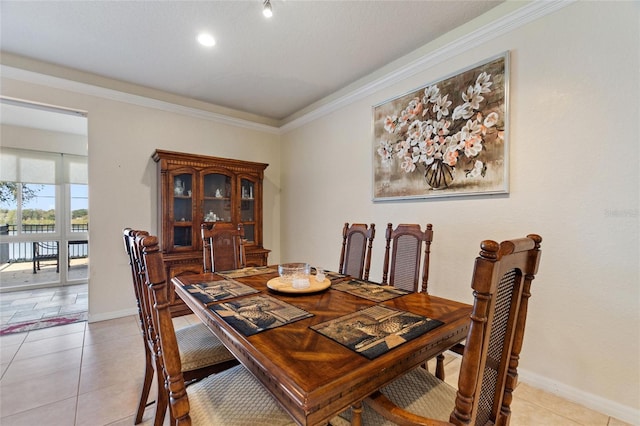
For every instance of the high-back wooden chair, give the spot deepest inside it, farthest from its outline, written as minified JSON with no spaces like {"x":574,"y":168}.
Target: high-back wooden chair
{"x":488,"y":374}
{"x":222,"y":246}
{"x":355,"y":256}
{"x":403,"y":256}
{"x":201,"y":352}
{"x":232,"y":397}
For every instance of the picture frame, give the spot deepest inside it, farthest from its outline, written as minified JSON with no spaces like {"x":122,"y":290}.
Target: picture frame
{"x":447,"y":138}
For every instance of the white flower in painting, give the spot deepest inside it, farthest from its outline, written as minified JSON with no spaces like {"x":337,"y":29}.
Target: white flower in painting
{"x":483,"y":83}
{"x":390,"y":123}
{"x":473,"y":146}
{"x":414,"y":108}
{"x":477,"y":169}
{"x":408,"y":165}
{"x":385,"y":151}
{"x":441,"y":106}
{"x":431,"y":93}
{"x":402,"y":148}
{"x":451,"y":156}
{"x":472,"y":128}
{"x":463,"y":111}
{"x":472,"y":97}
{"x":415,"y":130}
{"x":491,"y":119}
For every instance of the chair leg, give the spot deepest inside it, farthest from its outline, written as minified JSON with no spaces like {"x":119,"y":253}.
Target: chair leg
{"x":440,"y":367}
{"x":356,"y":414}
{"x":146,"y":387}
{"x":162,"y":402}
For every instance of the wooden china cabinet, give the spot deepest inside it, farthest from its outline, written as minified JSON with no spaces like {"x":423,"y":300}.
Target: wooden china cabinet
{"x":193,"y":189}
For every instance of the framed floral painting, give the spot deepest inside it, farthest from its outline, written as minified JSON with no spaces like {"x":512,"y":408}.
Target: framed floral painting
{"x":448,"y":138}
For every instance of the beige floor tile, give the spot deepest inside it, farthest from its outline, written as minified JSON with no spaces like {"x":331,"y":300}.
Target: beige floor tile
{"x":112,"y":329}
{"x":36,"y":392}
{"x":8,"y":352}
{"x":124,"y":348}
{"x":60,"y":413}
{"x":109,"y":373}
{"x":147,"y":419}
{"x":525,"y":413}
{"x":562,"y":407}
{"x":45,"y":333}
{"x":107,"y":405}
{"x":29,"y":368}
{"x":12,"y":339}
{"x":50,"y":345}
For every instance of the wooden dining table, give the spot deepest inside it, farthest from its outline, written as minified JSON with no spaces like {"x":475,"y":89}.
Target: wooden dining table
{"x":312,"y":376}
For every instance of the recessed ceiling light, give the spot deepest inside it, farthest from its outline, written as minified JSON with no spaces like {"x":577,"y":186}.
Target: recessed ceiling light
{"x":206,"y":40}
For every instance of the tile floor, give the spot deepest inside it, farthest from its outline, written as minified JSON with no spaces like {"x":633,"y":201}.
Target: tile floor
{"x":90,"y":374}
{"x":27,"y":305}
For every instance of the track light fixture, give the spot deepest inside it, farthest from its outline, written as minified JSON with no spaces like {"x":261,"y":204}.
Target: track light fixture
{"x":266,"y":9}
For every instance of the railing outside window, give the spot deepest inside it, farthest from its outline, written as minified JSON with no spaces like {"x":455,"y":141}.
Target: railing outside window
{"x":23,"y":251}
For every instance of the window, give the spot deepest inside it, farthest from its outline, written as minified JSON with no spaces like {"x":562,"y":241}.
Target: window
{"x":44,"y":206}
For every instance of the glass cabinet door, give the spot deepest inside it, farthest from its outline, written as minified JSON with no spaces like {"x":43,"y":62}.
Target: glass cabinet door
{"x":216,"y":198}
{"x":248,"y":209}
{"x":182,"y":214}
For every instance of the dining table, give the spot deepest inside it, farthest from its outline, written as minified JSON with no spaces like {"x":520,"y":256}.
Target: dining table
{"x":315,"y":377}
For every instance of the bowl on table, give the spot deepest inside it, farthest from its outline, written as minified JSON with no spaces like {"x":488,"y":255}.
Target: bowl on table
{"x":296,"y":274}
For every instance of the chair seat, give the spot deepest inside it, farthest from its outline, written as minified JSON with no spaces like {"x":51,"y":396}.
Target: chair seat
{"x":234,"y":398}
{"x":418,"y":391}
{"x":200,"y":348}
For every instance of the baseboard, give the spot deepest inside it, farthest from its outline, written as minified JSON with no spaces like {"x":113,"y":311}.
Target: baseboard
{"x":594,"y":402}
{"x":112,"y":315}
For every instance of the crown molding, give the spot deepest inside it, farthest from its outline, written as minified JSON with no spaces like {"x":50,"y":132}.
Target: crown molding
{"x":119,"y":96}
{"x":505,"y":24}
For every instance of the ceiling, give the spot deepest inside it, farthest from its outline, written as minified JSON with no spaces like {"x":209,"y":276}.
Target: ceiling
{"x":268,"y":67}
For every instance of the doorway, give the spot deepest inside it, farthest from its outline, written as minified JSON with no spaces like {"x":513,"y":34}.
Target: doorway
{"x":44,"y":210}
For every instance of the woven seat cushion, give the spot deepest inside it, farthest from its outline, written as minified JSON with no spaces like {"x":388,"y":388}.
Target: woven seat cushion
{"x":418,"y":392}
{"x":200,"y":348}
{"x":234,"y":398}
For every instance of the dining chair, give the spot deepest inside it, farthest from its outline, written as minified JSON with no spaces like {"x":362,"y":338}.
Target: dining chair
{"x":202,"y":354}
{"x":222,"y":246}
{"x":355,"y":256}
{"x":403,"y":256}
{"x":488,"y":374}
{"x":230,"y":398}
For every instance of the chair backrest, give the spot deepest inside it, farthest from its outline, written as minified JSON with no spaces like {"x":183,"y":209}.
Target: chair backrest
{"x":223,"y":246}
{"x":156,"y":282}
{"x":501,"y":287}
{"x":355,"y":256}
{"x":143,"y":300}
{"x":403,"y":256}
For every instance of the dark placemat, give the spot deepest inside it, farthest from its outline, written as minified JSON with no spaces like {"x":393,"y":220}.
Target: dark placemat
{"x":214,"y":291}
{"x":253,"y":314}
{"x":375,"y":330}
{"x":247,"y":272}
{"x":369,"y":290}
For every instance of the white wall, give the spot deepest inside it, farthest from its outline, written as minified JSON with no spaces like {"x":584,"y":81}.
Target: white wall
{"x":574,"y":179}
{"x":122,"y":177}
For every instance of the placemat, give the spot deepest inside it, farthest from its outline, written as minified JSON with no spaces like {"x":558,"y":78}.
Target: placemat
{"x":253,"y":314}
{"x":370,"y":290}
{"x":214,"y":291}
{"x":247,"y":272}
{"x":373,"y":331}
